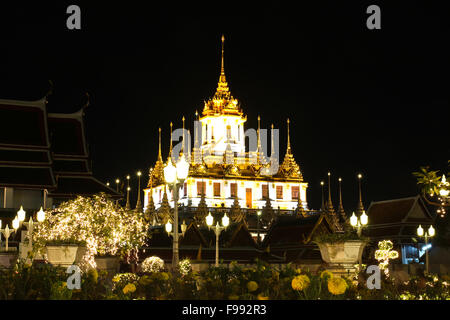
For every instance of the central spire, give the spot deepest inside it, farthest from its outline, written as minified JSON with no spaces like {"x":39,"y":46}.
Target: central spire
{"x":222,"y":88}
{"x":222,"y":69}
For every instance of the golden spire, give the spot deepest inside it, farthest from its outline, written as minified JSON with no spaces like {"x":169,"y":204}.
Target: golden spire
{"x":259,"y":135}
{"x":222,"y":67}
{"x":360,"y":208}
{"x":159,"y":148}
{"x":288,"y":138}
{"x":182,"y":145}
{"x":273,"y":145}
{"x":170,"y":149}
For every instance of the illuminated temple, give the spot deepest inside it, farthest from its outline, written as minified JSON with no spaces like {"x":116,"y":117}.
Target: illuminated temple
{"x":222,"y":172}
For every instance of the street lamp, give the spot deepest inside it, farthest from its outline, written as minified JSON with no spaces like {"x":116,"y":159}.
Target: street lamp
{"x":138,"y":203}
{"x":444,"y":191}
{"x":359,"y":223}
{"x":31,"y":225}
{"x":427,"y":234}
{"x":21,"y":215}
{"x":169,"y":228}
{"x":217,"y":230}
{"x":175,"y":175}
{"x":127,"y":206}
{"x":258,"y":215}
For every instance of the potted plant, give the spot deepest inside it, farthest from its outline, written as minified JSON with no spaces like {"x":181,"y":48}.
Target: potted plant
{"x":62,"y":252}
{"x":107,"y":231}
{"x":341,"y":250}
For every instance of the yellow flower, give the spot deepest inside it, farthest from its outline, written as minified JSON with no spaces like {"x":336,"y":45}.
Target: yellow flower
{"x":298,"y":271}
{"x":337,"y":285}
{"x":116,"y":278}
{"x":252,"y":286}
{"x":325,"y":274}
{"x":300,"y":282}
{"x":129,"y":288}
{"x":64,"y":284}
{"x":261,"y":297}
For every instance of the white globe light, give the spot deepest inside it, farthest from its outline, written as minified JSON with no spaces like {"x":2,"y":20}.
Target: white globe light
{"x":444,"y":192}
{"x":364,"y":218}
{"x":225,"y":220}
{"x":182,"y":168}
{"x":21,"y":214}
{"x":420,"y":231}
{"x":209,"y":219}
{"x":170,"y":172}
{"x":40,"y":215}
{"x":431,"y":231}
{"x":15,"y":223}
{"x":168,"y":227}
{"x":353,"y":220}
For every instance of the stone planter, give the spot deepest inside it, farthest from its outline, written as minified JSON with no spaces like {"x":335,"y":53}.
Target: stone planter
{"x":110,"y":264}
{"x":62,"y":255}
{"x":342,"y":254}
{"x":8,"y":259}
{"x":80,"y":254}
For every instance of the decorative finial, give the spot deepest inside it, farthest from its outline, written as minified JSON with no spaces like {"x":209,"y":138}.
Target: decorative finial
{"x":360,"y":207}
{"x":288,"y":137}
{"x":182,"y":145}
{"x":341,"y":210}
{"x":159,"y":148}
{"x":323,"y":197}
{"x":259,"y":135}
{"x":273,"y":145}
{"x":170,"y":150}
{"x":222,"y":69}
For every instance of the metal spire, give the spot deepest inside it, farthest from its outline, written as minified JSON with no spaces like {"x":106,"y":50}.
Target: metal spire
{"x":360,"y":208}
{"x":288,"y":138}
{"x":159,"y":148}
{"x":170,"y":150}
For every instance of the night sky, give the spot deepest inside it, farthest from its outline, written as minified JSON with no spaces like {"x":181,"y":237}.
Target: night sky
{"x":359,"y":100}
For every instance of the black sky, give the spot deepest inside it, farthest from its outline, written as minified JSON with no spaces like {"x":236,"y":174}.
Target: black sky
{"x":370,"y":101}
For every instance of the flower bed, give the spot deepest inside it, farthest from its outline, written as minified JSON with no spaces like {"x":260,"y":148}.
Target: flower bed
{"x":259,"y":282}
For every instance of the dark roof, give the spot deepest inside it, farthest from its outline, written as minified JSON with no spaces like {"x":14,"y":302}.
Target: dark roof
{"x":397,"y":219}
{"x":24,"y":123}
{"x":67,"y":134}
{"x":293,"y":230}
{"x":27,"y":177}
{"x":397,"y":211}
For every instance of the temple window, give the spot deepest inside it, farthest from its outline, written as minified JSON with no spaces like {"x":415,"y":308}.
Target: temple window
{"x":295,"y":190}
{"x":216,"y":189}
{"x":265,"y":191}
{"x":233,"y":189}
{"x":201,"y":187}
{"x":279,"y":192}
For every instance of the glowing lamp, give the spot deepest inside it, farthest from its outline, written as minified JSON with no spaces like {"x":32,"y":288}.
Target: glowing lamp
{"x":364,"y":218}
{"x":128,"y":177}
{"x":170,"y":172}
{"x":168,"y":227}
{"x":21,"y":214}
{"x":225,"y":220}
{"x":209,"y":219}
{"x":258,"y":212}
{"x":359,"y":176}
{"x":117,"y":181}
{"x":40,"y":215}
{"x":183,"y":227}
{"x":182,"y":168}
{"x":420,"y":231}
{"x":139,"y":173}
{"x":431,"y":231}
{"x":353,"y":220}
{"x":15,"y":223}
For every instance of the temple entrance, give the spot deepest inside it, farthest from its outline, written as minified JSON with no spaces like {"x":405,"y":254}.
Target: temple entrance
{"x":248,"y":197}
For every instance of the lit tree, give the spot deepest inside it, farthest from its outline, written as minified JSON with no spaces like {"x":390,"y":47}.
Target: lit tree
{"x":105,"y":228}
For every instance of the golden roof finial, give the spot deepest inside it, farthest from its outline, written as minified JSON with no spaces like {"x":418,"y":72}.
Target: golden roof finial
{"x":182,"y":145}
{"x":170,"y":150}
{"x":222,"y":68}
{"x":272,"y":149}
{"x":159,"y":148}
{"x":259,"y":135}
{"x":288,"y":137}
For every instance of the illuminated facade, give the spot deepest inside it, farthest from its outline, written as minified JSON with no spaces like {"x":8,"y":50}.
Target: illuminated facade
{"x":223,"y":169}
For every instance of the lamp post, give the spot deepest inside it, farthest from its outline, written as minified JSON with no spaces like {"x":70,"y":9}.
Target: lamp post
{"x":427,"y":234}
{"x":31,"y":225}
{"x":258,"y":215}
{"x":127,"y":206}
{"x":174,"y":176}
{"x":169,"y":228}
{"x":7,"y":232}
{"x":217,"y":230}
{"x":359,"y":223}
{"x":138,"y":203}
